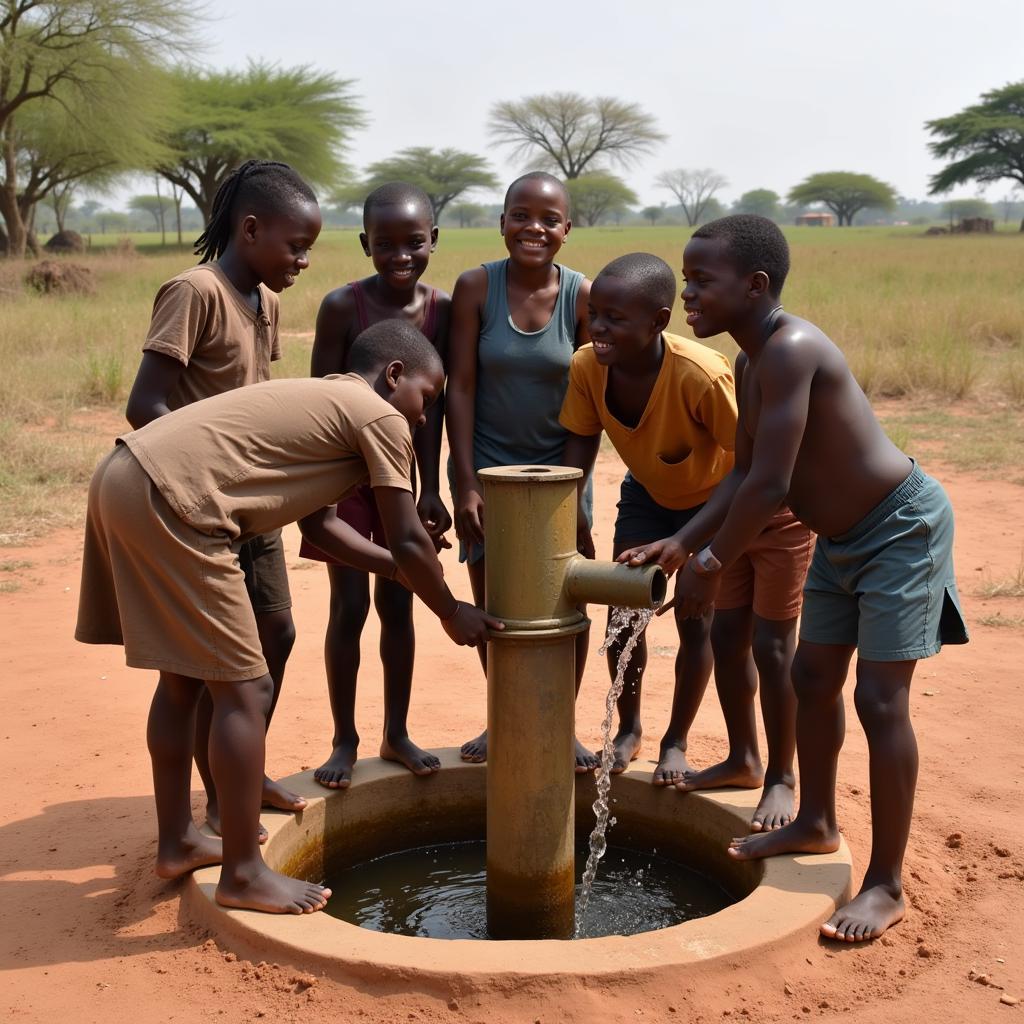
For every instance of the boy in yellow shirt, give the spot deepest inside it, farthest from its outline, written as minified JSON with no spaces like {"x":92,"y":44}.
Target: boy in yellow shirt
{"x":668,"y":406}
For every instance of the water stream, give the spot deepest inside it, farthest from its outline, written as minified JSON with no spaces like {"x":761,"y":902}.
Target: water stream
{"x":633,"y":622}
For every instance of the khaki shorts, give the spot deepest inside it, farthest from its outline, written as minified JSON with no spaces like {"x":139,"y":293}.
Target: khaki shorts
{"x":175,"y":598}
{"x":769,"y":576}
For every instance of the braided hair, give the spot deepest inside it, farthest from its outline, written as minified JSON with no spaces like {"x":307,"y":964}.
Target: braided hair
{"x":256,"y":186}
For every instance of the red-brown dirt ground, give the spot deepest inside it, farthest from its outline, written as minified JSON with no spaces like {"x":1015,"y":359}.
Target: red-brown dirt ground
{"x":89,"y":934}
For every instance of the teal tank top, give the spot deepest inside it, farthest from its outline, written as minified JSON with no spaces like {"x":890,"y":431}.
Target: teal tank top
{"x":522,"y":377}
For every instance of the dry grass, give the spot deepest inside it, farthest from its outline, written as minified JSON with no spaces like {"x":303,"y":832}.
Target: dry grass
{"x":1004,"y":586}
{"x":936,"y":320}
{"x":1001,"y":621}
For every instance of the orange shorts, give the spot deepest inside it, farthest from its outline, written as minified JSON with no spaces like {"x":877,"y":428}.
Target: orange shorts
{"x":769,"y":576}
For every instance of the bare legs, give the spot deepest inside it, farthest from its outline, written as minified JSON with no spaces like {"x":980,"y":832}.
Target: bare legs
{"x":475,"y":750}
{"x":277,"y":637}
{"x":747,"y":648}
{"x":170,"y":733}
{"x":882,"y":702}
{"x":350,"y":605}
{"x":237,"y":749}
{"x":692,"y":672}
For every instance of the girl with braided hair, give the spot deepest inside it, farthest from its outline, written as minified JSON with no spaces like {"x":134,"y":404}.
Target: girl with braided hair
{"x":215,"y":328}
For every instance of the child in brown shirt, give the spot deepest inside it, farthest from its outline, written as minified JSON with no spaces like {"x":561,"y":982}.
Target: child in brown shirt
{"x":168,"y":509}
{"x":213,"y":329}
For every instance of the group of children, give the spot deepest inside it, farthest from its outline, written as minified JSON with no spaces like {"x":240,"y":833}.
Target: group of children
{"x":729,"y":477}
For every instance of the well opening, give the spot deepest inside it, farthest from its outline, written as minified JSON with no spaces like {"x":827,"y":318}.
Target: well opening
{"x":387,"y":809}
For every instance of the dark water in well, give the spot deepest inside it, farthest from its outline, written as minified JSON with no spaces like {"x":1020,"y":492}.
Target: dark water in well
{"x":439,"y":892}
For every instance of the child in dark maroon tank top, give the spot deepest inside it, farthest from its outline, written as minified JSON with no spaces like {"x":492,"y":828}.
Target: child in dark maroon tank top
{"x":398,"y":235}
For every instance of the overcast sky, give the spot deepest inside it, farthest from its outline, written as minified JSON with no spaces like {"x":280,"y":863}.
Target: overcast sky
{"x":766,"y":92}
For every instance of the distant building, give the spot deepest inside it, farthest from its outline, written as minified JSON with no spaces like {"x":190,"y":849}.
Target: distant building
{"x":816,"y":220}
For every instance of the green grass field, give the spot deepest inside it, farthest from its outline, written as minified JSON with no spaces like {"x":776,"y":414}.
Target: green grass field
{"x":934,"y":321}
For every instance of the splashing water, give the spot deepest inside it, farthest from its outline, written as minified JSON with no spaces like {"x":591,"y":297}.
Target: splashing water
{"x":622,"y":620}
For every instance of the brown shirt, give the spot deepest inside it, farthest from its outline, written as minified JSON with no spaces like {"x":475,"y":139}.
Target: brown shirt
{"x":203,"y":321}
{"x":252,"y":460}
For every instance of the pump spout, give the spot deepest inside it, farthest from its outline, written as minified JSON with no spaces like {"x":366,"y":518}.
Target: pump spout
{"x":592,"y":582}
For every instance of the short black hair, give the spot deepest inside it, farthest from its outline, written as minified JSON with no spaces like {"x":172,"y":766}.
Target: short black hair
{"x":752,"y":243}
{"x":397,"y":193}
{"x":388,"y":340}
{"x":540,"y":176}
{"x":649,"y":274}
{"x":257,"y":186}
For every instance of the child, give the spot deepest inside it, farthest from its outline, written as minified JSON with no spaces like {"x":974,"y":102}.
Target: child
{"x":398,"y":235}
{"x":214,"y":328}
{"x":668,"y":407}
{"x":515,"y":325}
{"x":881,"y":581}
{"x":168,"y":510}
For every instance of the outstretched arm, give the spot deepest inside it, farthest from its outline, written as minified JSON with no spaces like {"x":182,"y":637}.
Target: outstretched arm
{"x":785,"y":375}
{"x":427,"y":444}
{"x":156,"y":380}
{"x":419,"y":569}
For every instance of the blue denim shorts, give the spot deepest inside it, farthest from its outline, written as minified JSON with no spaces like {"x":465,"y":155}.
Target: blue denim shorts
{"x":887,"y":586}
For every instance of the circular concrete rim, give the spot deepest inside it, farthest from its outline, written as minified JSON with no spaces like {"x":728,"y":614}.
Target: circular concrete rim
{"x":795,"y":894}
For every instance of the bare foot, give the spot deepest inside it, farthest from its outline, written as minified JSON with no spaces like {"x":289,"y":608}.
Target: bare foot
{"x":796,"y":837}
{"x":272,"y":893}
{"x":192,"y":851}
{"x":775,"y":808}
{"x":336,"y":771}
{"x":213,"y":820}
{"x":672,"y":766}
{"x":872,"y":912}
{"x":627,"y":749}
{"x":585,"y":760}
{"x":475,"y":750}
{"x":275,"y":795}
{"x":405,"y":752}
{"x":725,"y":774}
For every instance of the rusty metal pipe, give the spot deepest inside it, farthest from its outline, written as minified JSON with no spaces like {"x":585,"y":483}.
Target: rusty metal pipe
{"x":535,"y":582}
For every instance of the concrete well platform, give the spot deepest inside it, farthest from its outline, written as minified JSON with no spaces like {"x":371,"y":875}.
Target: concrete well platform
{"x":387,"y":809}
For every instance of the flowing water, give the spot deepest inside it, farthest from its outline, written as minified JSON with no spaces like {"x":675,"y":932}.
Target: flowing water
{"x":632,"y":621}
{"x":440,"y":892}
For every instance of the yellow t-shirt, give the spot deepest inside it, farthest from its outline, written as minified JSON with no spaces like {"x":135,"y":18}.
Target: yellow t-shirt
{"x":683,"y":445}
{"x":254,"y":459}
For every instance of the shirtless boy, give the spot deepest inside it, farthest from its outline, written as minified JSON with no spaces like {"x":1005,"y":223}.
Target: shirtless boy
{"x":881,"y":582}
{"x":168,"y":510}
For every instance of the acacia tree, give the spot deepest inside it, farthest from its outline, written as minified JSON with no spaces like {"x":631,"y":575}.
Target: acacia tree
{"x":986,"y":141}
{"x":653,"y":213}
{"x":598,"y":194}
{"x":444,"y":174}
{"x":760,"y":201}
{"x":71,"y":54}
{"x":299,"y":115}
{"x":467,"y":213}
{"x":844,"y":193}
{"x":571,"y":133}
{"x":70,"y":140}
{"x":692,"y":188}
{"x":158,"y":207}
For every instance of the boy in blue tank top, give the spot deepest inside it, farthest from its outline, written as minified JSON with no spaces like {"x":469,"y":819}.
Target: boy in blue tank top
{"x":515,"y":325}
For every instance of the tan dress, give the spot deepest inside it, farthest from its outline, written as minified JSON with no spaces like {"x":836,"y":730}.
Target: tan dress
{"x":169,"y":507}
